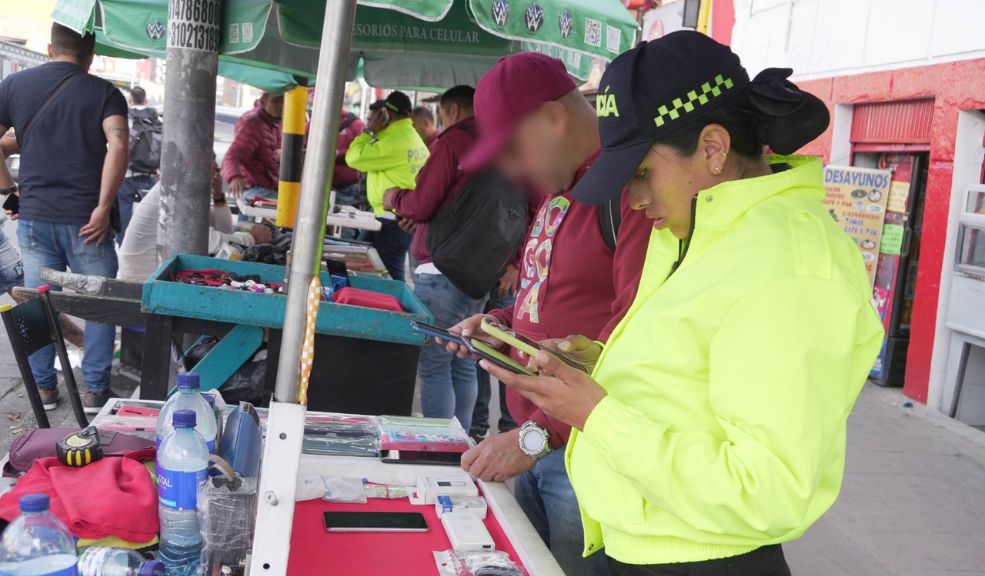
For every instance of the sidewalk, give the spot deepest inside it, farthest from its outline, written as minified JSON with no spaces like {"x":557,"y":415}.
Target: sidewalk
{"x":913,"y":500}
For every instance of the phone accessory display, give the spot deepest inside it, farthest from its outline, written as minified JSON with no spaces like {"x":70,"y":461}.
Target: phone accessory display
{"x":429,"y":488}
{"x":484,"y":563}
{"x":475,"y":505}
{"x":341,"y":436}
{"x":422,"y":434}
{"x":466,"y":532}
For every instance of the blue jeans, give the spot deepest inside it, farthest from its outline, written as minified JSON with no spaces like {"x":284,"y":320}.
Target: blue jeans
{"x":58,"y":246}
{"x":480,"y":416}
{"x":129,"y":195}
{"x":546,"y":496}
{"x":447,"y":382}
{"x":391,"y":243}
{"x":11,"y":267}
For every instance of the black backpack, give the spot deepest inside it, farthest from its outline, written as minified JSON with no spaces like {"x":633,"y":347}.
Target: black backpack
{"x":146,"y":135}
{"x":475,"y":237}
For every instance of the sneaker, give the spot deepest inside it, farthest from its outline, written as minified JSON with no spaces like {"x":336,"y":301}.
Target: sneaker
{"x":49,"y":398}
{"x":93,"y":402}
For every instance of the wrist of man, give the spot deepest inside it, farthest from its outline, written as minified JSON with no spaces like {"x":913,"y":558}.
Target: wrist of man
{"x":12,"y":189}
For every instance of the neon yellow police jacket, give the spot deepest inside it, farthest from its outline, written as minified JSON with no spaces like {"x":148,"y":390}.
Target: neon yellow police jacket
{"x":391,"y":159}
{"x":729,"y":380}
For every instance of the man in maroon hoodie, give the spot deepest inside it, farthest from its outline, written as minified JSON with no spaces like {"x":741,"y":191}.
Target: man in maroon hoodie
{"x":448,"y":383}
{"x":571,"y":281}
{"x":251,"y":166}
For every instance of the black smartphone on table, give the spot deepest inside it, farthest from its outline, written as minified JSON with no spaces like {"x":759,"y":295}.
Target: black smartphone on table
{"x":375,"y":522}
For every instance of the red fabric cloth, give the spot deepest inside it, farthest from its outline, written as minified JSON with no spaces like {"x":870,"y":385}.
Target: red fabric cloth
{"x":110,"y":497}
{"x":343,"y":175}
{"x":373,"y":553}
{"x":572,"y":283}
{"x":255,"y":152}
{"x":438,"y":183}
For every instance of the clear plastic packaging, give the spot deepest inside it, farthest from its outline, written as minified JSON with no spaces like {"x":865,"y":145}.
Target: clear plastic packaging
{"x":338,"y":489}
{"x":341,"y":436}
{"x":485,"y":563}
{"x":226,"y":513}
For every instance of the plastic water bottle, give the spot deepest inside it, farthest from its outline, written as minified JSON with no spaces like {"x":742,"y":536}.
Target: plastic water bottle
{"x":104,"y":561}
{"x":37,"y":543}
{"x":188,"y":398}
{"x":182,"y":460}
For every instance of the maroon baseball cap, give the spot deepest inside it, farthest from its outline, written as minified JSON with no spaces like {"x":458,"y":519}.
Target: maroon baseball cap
{"x":516,"y":86}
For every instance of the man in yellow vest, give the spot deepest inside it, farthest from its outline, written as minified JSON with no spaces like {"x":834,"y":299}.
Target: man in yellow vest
{"x":391,"y":153}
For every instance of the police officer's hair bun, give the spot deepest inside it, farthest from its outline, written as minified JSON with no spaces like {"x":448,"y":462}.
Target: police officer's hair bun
{"x":789,"y":116}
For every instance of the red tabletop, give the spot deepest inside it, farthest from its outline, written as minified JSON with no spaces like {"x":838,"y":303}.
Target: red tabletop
{"x":315,"y":551}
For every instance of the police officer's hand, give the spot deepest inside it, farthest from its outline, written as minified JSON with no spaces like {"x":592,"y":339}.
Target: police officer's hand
{"x":376,"y":121}
{"x":561,"y":391}
{"x":577,"y":349}
{"x":497,"y":458}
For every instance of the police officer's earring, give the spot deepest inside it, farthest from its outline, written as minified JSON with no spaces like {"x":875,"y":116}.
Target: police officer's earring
{"x":719,"y":169}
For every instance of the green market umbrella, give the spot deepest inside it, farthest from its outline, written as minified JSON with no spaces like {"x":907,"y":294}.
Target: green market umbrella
{"x":402,"y":43}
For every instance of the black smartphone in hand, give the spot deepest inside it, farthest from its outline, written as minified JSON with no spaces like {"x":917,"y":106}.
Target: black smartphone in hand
{"x":12,"y":204}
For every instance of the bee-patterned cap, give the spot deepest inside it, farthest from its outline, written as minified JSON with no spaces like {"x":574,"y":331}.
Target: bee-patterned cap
{"x":651,"y":91}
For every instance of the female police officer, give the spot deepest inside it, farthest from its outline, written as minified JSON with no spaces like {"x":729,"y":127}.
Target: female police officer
{"x":713,"y":427}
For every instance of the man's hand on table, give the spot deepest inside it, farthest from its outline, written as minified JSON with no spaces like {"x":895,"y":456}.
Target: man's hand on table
{"x":497,"y":458}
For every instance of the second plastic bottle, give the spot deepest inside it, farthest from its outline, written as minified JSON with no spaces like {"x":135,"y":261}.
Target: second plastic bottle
{"x":182,"y":460}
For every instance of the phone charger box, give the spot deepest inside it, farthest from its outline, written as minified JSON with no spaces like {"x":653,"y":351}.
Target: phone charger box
{"x":430,"y":487}
{"x":471,"y":504}
{"x":466,"y":532}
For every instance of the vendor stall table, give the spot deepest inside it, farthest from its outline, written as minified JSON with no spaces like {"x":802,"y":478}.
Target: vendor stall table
{"x":315,"y":551}
{"x":365,"y":358}
{"x":345,"y":217}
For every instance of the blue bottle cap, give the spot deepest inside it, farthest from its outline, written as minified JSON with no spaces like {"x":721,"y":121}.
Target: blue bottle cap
{"x":151,"y":568}
{"x":187,"y":380}
{"x":210,"y":399}
{"x":34,"y":502}
{"x":184,"y":419}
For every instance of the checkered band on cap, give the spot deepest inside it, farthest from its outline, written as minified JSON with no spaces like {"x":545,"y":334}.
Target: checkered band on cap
{"x":667,"y":113}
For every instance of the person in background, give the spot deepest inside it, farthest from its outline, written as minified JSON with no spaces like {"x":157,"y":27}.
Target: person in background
{"x":251,"y":166}
{"x":391,"y":154}
{"x":448,"y":385}
{"x":423,"y":120}
{"x":345,"y":180}
{"x":546,"y":134}
{"x":73,"y":135}
{"x":145,"y":156}
{"x":712,"y":429}
{"x":138,"y":253}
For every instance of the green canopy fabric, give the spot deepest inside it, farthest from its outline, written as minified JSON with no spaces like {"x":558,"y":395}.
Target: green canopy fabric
{"x":422,"y":44}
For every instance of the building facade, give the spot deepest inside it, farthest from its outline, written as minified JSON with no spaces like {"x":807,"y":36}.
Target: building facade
{"x":905,"y":84}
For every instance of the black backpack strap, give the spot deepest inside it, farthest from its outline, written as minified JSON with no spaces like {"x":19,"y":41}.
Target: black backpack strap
{"x":61,"y":87}
{"x":610,"y":216}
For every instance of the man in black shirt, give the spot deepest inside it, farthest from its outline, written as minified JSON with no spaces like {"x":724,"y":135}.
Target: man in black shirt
{"x":73,"y":135}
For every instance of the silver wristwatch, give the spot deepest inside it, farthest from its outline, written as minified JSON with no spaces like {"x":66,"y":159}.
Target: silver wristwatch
{"x":534,"y":441}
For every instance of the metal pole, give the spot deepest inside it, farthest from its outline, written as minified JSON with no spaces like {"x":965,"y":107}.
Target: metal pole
{"x":189,"y":122}
{"x":291,"y":153}
{"x":316,"y":181}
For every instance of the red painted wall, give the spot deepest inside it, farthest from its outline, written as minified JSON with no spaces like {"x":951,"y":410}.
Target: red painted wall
{"x":955,"y":86}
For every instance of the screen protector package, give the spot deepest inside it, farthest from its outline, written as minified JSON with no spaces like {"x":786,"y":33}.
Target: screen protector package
{"x":485,"y":563}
